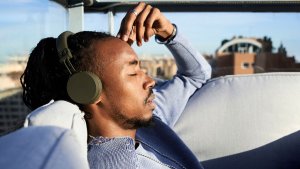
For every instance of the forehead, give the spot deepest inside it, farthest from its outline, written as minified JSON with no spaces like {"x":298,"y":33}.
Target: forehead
{"x":114,"y":52}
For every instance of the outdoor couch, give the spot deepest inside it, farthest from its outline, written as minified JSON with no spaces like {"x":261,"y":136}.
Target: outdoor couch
{"x":245,"y":121}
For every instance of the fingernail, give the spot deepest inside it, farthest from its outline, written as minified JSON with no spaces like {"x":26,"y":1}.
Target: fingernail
{"x":146,"y":39}
{"x":118,"y":35}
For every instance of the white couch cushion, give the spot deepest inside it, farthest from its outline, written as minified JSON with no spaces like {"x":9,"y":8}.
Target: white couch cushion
{"x":233,"y":114}
{"x":61,"y":114}
{"x":41,"y":147}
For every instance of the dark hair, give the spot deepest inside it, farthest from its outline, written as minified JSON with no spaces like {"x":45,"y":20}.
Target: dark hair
{"x":45,"y":78}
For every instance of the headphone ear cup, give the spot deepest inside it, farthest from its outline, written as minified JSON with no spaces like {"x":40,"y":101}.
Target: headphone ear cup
{"x":84,"y":87}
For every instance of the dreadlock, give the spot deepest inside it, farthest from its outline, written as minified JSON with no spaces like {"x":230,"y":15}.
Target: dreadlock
{"x":45,"y":78}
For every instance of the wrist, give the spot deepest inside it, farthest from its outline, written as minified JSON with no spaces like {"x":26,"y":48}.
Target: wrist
{"x":167,"y":33}
{"x":169,"y":38}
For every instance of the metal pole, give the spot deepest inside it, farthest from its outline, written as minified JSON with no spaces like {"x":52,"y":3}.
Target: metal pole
{"x":111,"y":23}
{"x":76,"y":18}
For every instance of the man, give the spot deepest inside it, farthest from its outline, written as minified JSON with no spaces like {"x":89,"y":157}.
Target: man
{"x":129,"y":98}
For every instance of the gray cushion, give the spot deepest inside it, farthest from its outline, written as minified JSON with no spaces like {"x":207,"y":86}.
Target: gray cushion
{"x":233,"y":114}
{"x":42,"y":147}
{"x":61,"y":114}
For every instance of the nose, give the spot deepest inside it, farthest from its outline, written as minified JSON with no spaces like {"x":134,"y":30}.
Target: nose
{"x":149,"y":83}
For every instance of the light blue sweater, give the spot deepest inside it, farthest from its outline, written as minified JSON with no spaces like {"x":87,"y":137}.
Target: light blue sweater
{"x":159,"y":146}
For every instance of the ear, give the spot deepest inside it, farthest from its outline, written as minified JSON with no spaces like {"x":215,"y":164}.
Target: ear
{"x":98,"y":101}
{"x":101,"y":98}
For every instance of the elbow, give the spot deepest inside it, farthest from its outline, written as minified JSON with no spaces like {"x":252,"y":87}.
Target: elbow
{"x":197,"y":76}
{"x":202,"y":77}
{"x":207,"y":73}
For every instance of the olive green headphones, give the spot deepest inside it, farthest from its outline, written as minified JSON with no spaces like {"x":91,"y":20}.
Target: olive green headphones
{"x":83,"y":87}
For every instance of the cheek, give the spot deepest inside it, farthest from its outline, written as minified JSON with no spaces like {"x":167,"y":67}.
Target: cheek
{"x":125,"y":90}
{"x":131,"y":95}
{"x":120,"y":92}
{"x":112,"y":90}
{"x":112,"y":84}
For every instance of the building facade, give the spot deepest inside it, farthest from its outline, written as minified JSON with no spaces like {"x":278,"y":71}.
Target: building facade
{"x":12,"y":110}
{"x":251,"y":55}
{"x":163,"y":67}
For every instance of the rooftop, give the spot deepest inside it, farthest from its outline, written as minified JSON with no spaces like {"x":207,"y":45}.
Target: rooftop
{"x":6,"y":93}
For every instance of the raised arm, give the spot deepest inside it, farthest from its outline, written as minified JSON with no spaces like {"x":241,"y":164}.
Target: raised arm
{"x":145,"y":21}
{"x":193,"y":71}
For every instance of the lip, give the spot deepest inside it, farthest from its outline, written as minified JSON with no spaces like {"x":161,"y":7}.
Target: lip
{"x":150,"y":102}
{"x":150,"y":98}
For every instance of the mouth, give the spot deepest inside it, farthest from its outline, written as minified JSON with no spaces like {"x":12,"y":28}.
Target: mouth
{"x":149,"y":100}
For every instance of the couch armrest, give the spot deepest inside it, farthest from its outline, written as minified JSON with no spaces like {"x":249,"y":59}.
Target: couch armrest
{"x":41,"y":147}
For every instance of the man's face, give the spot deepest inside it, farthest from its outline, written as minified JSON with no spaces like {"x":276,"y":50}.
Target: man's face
{"x":127,"y":96}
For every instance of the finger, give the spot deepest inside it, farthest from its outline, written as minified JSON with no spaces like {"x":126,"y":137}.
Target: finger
{"x":132,"y":36}
{"x":140,"y":28}
{"x":119,"y":32}
{"x":152,"y":17}
{"x":139,"y":34}
{"x":129,"y":21}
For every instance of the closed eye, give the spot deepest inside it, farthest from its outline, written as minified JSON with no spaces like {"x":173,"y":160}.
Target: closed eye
{"x":133,"y":74}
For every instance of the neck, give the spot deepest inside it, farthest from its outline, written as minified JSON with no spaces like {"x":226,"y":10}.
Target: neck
{"x":101,"y":124}
{"x":108,"y":129}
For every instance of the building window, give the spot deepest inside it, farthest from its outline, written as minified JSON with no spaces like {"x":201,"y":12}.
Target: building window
{"x":245,"y":65}
{"x":13,"y":109}
{"x":15,"y":116}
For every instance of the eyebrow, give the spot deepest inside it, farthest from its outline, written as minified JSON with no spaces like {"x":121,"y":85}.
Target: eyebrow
{"x":134,"y":62}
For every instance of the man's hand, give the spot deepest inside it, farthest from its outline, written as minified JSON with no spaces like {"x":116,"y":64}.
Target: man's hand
{"x":142,"y":22}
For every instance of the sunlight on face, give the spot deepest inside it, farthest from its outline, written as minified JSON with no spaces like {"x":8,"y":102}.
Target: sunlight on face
{"x":127,"y":90}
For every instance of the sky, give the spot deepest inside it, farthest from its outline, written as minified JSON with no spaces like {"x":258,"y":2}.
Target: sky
{"x":24,"y":22}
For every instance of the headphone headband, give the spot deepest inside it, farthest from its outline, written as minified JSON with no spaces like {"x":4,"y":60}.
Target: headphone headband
{"x":64,"y":52}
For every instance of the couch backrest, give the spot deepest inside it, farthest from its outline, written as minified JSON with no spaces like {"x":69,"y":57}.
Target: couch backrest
{"x":233,"y":114}
{"x":228,"y":115}
{"x":61,"y":114}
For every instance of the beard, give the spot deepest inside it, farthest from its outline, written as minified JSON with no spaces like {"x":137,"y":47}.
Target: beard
{"x":133,"y":123}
